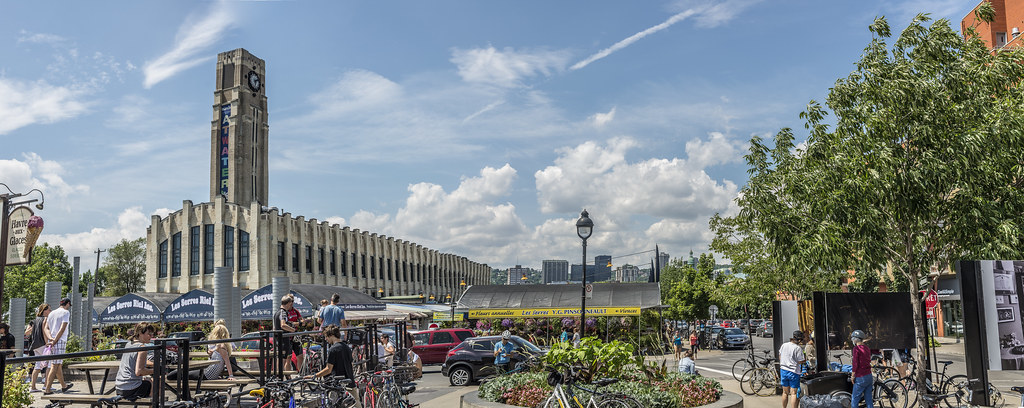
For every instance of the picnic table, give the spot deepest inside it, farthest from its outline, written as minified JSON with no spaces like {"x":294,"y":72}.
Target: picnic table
{"x":106,"y":366}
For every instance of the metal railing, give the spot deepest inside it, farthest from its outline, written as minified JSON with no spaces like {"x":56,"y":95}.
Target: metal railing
{"x":270,"y":357}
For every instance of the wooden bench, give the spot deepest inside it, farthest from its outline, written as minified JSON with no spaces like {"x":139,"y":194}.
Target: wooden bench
{"x":93,"y":400}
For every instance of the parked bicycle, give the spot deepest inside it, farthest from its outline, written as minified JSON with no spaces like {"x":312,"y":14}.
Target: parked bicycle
{"x":762,"y":380}
{"x":750,"y":361}
{"x":563,"y":378}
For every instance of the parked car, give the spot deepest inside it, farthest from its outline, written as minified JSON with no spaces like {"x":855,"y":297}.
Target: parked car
{"x":474,"y":358}
{"x":728,"y":323}
{"x":190,"y":335}
{"x":433,"y":345}
{"x":765,"y":329}
{"x":709,"y":336}
{"x":754,"y":324}
{"x":733,"y":338}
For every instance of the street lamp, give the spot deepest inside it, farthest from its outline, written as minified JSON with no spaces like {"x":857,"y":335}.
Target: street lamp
{"x":584,"y":228}
{"x":6,"y":199}
{"x":451,"y":303}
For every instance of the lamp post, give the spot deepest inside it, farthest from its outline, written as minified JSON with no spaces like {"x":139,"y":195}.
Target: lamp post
{"x":584,"y":228}
{"x":451,"y":303}
{"x":6,"y":199}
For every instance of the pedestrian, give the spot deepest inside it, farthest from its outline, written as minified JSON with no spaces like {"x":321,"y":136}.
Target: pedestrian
{"x":677,"y":343}
{"x":791,"y":357}
{"x":131,"y":382}
{"x":862,"y":380}
{"x":810,"y":354}
{"x":57,"y":325}
{"x":694,"y":344}
{"x":576,"y":337}
{"x":686,"y":364}
{"x":332,"y":313}
{"x":385,"y":350}
{"x":503,"y":352}
{"x":564,"y":338}
{"x":39,"y":342}
{"x":283,"y":321}
{"x":7,"y":339}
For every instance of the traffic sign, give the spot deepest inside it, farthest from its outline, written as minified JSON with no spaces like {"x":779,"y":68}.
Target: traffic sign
{"x":931,"y":300}
{"x":589,"y":290}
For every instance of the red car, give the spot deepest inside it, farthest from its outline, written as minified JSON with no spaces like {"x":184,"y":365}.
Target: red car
{"x":432,"y":345}
{"x":727,"y":324}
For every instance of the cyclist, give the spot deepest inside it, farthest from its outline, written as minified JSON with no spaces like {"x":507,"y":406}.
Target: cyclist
{"x":862,"y":380}
{"x":339,"y":356}
{"x":502,"y":351}
{"x":791,"y":357}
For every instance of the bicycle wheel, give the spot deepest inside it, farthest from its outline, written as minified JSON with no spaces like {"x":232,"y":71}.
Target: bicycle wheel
{"x":613,"y":403}
{"x":747,"y":382}
{"x":740,"y":367}
{"x":951,"y":385}
{"x":995,"y":398}
{"x":769,"y":382}
{"x":883,"y":373}
{"x":890,"y":393}
{"x":551,"y":402}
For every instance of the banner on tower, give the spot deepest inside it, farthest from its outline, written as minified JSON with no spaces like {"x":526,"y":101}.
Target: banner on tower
{"x":225,"y":114}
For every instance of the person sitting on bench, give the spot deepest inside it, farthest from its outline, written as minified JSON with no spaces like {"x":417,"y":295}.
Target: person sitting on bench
{"x":130,"y":382}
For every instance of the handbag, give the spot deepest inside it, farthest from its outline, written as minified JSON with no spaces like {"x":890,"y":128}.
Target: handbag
{"x":47,"y":350}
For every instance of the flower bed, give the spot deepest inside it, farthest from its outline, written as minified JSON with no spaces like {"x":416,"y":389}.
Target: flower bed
{"x":673,"y":391}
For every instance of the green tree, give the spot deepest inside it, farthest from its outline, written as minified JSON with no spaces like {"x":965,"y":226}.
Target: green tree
{"x":124,"y":269}
{"x":687,"y":291}
{"x":499,"y":276}
{"x":49,"y":264}
{"x":921,"y":167}
{"x":865,"y":281}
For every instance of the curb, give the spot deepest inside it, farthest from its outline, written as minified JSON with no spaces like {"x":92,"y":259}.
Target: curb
{"x":728,"y":400}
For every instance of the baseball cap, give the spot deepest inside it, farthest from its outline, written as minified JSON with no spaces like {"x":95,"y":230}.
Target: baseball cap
{"x":65,"y":301}
{"x":798,"y":335}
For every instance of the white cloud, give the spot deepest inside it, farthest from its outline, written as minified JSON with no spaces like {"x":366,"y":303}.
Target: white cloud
{"x":468,"y":220}
{"x":508,"y":67}
{"x":192,"y":44}
{"x":601,"y":119}
{"x":39,"y":38}
{"x":591,"y":175}
{"x":357,"y":90}
{"x":36,"y":173}
{"x":27,"y":103}
{"x":718,"y":149}
{"x":131,"y":224}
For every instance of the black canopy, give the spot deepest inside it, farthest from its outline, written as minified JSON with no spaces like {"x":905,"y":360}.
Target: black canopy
{"x":196,"y":305}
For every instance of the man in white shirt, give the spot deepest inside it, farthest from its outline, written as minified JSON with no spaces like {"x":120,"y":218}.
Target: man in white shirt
{"x":791,"y":358}
{"x":57,"y":330}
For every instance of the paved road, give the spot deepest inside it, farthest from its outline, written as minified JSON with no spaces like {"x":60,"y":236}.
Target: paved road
{"x":433,"y":390}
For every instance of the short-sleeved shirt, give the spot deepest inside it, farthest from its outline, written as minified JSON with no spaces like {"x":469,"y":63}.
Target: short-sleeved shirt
{"x":693,"y":339}
{"x":284,"y":315}
{"x":790,"y":356}
{"x":504,"y":349}
{"x":55,"y":319}
{"x":678,"y":341}
{"x":332,"y":314}
{"x":339,"y":356}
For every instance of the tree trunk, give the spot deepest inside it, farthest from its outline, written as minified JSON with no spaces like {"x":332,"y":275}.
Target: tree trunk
{"x":920,"y":333}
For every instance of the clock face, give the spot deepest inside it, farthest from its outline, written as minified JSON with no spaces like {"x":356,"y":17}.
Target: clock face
{"x":254,"y":81}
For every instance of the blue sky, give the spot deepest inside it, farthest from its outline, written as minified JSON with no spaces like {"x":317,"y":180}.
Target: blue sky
{"x":477,"y":128}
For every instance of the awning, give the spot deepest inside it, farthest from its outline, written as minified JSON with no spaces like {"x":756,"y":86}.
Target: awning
{"x":374,"y":315}
{"x":414,"y":312}
{"x":196,"y":305}
{"x":130,"y":308}
{"x":351,"y":299}
{"x":260,"y":305}
{"x":558,"y":300}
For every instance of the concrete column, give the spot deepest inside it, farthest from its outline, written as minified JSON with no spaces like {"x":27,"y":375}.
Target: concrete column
{"x":91,"y":295}
{"x":51,"y":294}
{"x":282,"y":286}
{"x":235,"y":322}
{"x":75,"y":325}
{"x":222,"y":293}
{"x":17,"y":313}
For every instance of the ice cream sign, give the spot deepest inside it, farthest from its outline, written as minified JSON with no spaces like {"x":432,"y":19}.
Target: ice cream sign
{"x":22,"y":235}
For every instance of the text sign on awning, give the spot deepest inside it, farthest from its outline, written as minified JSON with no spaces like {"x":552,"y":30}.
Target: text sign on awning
{"x":552,"y":312}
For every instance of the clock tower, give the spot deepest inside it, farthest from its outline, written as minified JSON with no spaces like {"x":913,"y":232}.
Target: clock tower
{"x":238,"y":139}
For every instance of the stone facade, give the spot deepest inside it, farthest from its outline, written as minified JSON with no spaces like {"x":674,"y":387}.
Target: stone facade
{"x":236,"y":228}
{"x":179,"y":257}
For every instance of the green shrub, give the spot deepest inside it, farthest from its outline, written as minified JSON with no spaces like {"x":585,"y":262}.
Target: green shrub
{"x":599,"y":359}
{"x":16,"y":390}
{"x":512,"y":386}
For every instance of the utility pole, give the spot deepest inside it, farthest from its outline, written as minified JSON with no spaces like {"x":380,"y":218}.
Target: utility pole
{"x":96,"y":272}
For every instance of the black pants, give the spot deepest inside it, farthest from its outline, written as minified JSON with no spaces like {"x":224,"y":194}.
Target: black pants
{"x":142,"y":391}
{"x":194,"y":375}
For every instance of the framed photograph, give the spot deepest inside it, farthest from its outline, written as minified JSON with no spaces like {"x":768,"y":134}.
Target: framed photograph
{"x":1013,"y":299}
{"x":1000,"y":300}
{"x":1005,"y":314}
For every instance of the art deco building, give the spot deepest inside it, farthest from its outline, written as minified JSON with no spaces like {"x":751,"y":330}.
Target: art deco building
{"x":237,"y":229}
